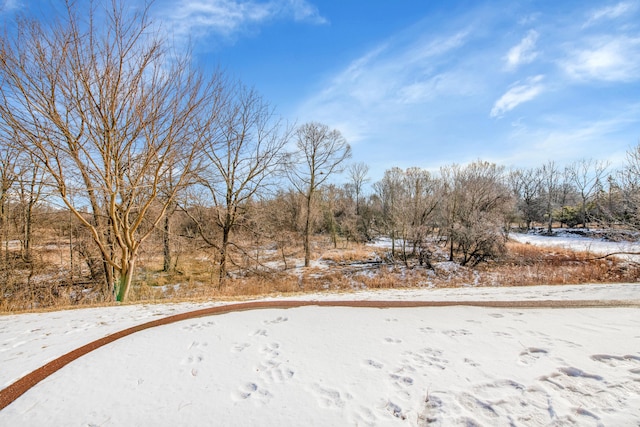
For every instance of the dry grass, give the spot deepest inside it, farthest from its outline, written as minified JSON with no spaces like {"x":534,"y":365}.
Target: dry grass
{"x":356,"y":253}
{"x":356,"y":267}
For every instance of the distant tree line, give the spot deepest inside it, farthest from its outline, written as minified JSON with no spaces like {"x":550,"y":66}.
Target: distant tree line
{"x":115,"y":147}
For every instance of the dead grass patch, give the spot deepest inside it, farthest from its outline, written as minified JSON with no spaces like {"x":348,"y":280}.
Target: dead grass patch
{"x":357,"y":267}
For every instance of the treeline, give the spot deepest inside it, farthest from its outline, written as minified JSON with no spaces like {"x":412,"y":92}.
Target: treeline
{"x":117,"y":148}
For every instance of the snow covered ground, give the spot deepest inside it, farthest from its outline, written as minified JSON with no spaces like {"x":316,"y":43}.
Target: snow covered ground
{"x":338,"y":366}
{"x":580,"y":243}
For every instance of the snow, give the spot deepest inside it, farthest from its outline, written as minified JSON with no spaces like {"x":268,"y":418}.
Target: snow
{"x":580,"y":243}
{"x":338,"y":366}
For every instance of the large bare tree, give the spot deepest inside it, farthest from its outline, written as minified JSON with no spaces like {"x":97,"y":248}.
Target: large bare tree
{"x":321,"y":152}
{"x":243,"y":151}
{"x":110,"y":112}
{"x":586,"y":175}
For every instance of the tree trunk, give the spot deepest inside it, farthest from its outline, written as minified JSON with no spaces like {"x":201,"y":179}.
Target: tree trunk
{"x":222,"y":271}
{"x":393,"y":243}
{"x":307,"y":232}
{"x":451,"y":247}
{"x":125,"y":279}
{"x":334,"y":232}
{"x":166,"y":244}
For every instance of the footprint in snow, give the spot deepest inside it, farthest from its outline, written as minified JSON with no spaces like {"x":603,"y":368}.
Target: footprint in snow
{"x":328,"y":398}
{"x":530,"y":355}
{"x":390,"y":340}
{"x":271,"y":350}
{"x":240,"y":347}
{"x":197,"y":326}
{"x":401,"y":381}
{"x":395,"y":410}
{"x":627,"y":361}
{"x":278,"y":319}
{"x":249,"y":390}
{"x":373,"y":364}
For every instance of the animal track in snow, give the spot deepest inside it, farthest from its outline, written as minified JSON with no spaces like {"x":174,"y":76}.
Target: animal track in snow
{"x":373,"y":364}
{"x":196,"y":356}
{"x":401,"y":381}
{"x":249,"y":390}
{"x":271,"y":368}
{"x":395,"y":410}
{"x":197,"y":326}
{"x":260,"y":332}
{"x":456,"y":332}
{"x":329,"y":398}
{"x":470,"y":362}
{"x":277,"y":320}
{"x":277,"y":374}
{"x":194,"y":361}
{"x":425,"y":357}
{"x":271,"y":350}
{"x":531,"y":354}
{"x":240,"y":347}
{"x":390,"y":340}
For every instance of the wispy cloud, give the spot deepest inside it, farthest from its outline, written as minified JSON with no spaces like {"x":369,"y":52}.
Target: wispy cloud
{"x":227,"y":18}
{"x":576,"y":135}
{"x":610,"y":12}
{"x":607,"y":59}
{"x":524,"y":52}
{"x":9,"y":5}
{"x":303,"y":11}
{"x":517,"y":94}
{"x":387,"y":82}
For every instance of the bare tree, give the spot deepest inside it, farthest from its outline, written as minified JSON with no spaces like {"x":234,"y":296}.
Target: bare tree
{"x":358,"y":176}
{"x":321,"y":153}
{"x":110,"y":112}
{"x":586,"y":175}
{"x":390,"y":190}
{"x":30,"y":190}
{"x":477,"y":205}
{"x":526,"y":185}
{"x":420,"y":208}
{"x":8,"y":176}
{"x":630,"y":182}
{"x":550,"y":184}
{"x":243,"y":152}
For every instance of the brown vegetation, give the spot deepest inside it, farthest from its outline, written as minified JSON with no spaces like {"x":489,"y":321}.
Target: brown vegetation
{"x":348,"y":268}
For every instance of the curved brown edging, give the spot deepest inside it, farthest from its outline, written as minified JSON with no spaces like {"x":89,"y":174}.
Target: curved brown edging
{"x":19,"y":387}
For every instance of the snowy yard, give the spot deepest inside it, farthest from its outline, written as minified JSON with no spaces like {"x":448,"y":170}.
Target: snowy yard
{"x":338,"y":366}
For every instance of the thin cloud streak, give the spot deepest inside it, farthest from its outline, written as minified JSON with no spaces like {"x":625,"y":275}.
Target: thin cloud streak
{"x":524,"y":52}
{"x":610,"y":12}
{"x":386,"y":79}
{"x":228,"y":18}
{"x":517,"y":94}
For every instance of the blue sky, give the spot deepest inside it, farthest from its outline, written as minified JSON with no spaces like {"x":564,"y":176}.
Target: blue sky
{"x":427,"y":83}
